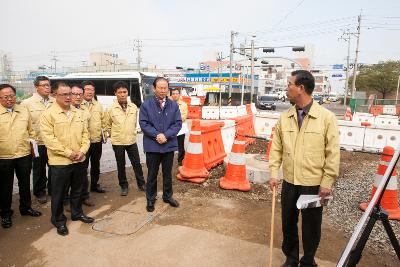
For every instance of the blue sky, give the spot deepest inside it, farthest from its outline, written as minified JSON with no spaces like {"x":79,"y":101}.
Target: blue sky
{"x":180,"y":33}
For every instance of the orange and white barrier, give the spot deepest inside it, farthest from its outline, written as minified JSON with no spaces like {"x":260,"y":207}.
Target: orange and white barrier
{"x":194,"y":112}
{"x":266,"y":158}
{"x":390,"y":198}
{"x":213,"y":146}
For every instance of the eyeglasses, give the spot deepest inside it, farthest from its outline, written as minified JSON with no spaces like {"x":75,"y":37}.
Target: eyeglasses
{"x":77,"y":94}
{"x":44,"y":85}
{"x":64,"y":95}
{"x":7,"y":97}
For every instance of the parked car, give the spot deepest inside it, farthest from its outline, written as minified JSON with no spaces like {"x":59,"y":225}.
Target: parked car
{"x":319,"y":99}
{"x":266,"y":102}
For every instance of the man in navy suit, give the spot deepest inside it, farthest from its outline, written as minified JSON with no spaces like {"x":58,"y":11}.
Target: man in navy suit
{"x":160,"y":120}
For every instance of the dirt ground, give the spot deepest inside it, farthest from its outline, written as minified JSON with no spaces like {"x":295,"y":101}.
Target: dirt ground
{"x":245,"y":216}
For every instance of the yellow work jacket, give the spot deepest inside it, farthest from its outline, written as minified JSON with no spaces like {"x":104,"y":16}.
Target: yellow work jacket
{"x":36,"y":108}
{"x":310,"y":155}
{"x":183,"y":108}
{"x":15,"y":131}
{"x":120,"y":125}
{"x":95,"y":120}
{"x":64,"y":134}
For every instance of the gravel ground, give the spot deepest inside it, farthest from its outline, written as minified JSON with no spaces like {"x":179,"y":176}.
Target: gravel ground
{"x":353,"y":187}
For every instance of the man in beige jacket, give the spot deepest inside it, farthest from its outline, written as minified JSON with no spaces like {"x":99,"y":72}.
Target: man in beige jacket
{"x":120,"y":123}
{"x":66,"y":137}
{"x":15,"y":155}
{"x":306,"y":144}
{"x":183,"y":108}
{"x":96,"y":122}
{"x":36,"y":104}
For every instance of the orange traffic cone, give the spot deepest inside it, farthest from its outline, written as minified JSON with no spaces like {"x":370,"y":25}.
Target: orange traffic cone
{"x":266,"y":158}
{"x":193,"y":169}
{"x":235,"y":176}
{"x":389,"y":200}
{"x":348,"y":116}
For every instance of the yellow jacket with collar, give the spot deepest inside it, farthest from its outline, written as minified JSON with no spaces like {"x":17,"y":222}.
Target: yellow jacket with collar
{"x":310,"y":155}
{"x":120,"y":125}
{"x":96,"y":119}
{"x":15,"y":130}
{"x":64,"y":134}
{"x":36,"y":108}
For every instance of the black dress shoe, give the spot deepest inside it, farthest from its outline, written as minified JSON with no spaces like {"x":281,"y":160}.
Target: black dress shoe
{"x":97,"y":189}
{"x":62,"y":230}
{"x":83,"y":218}
{"x":124,"y":191}
{"x":142,"y":188}
{"x":30,"y":212}
{"x":172,"y":202}
{"x":288,"y":263}
{"x":6,"y":222}
{"x":150,"y":206}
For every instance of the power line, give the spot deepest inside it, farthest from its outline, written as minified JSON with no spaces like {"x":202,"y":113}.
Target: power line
{"x":290,"y":12}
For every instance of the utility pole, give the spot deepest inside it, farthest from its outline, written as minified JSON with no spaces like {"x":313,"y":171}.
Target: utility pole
{"x":353,"y":84}
{"x":252,"y":70}
{"x":347,"y":39}
{"x":54,"y":58}
{"x":232,"y":48}
{"x":138,"y":46}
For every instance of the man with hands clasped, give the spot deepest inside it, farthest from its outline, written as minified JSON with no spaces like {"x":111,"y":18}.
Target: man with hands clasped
{"x":66,"y":137}
{"x":160,"y":120}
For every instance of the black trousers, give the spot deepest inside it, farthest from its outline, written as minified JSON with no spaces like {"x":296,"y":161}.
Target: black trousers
{"x":311,"y":224}
{"x":133,"y":155}
{"x":22,"y":167}
{"x":181,"y":148}
{"x":94,"y":155}
{"x":39,"y":173}
{"x":63,"y":176}
{"x":153,"y":161}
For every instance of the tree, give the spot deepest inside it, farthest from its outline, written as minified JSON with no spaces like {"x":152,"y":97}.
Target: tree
{"x":378,"y":78}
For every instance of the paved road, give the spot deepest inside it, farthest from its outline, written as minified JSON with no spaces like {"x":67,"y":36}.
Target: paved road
{"x":336,"y":108}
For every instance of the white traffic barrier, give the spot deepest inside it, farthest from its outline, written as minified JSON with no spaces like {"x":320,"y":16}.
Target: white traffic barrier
{"x":242,"y":110}
{"x":386,"y":120}
{"x":194,"y":101}
{"x":389,"y":109}
{"x":253,"y":108}
{"x":364,"y":117}
{"x":228,"y":134}
{"x":376,"y":138}
{"x":264,"y":122}
{"x":228,"y":112}
{"x":210,"y":113}
{"x":351,"y":135}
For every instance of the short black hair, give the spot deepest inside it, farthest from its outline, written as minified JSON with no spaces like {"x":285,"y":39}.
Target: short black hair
{"x":58,"y":85}
{"x":84,"y":83}
{"x":39,"y":79}
{"x":6,"y":85}
{"x":305,"y":78}
{"x":174,"y":89}
{"x":159,"y":79}
{"x":120,"y":84}
{"x":76,"y":85}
